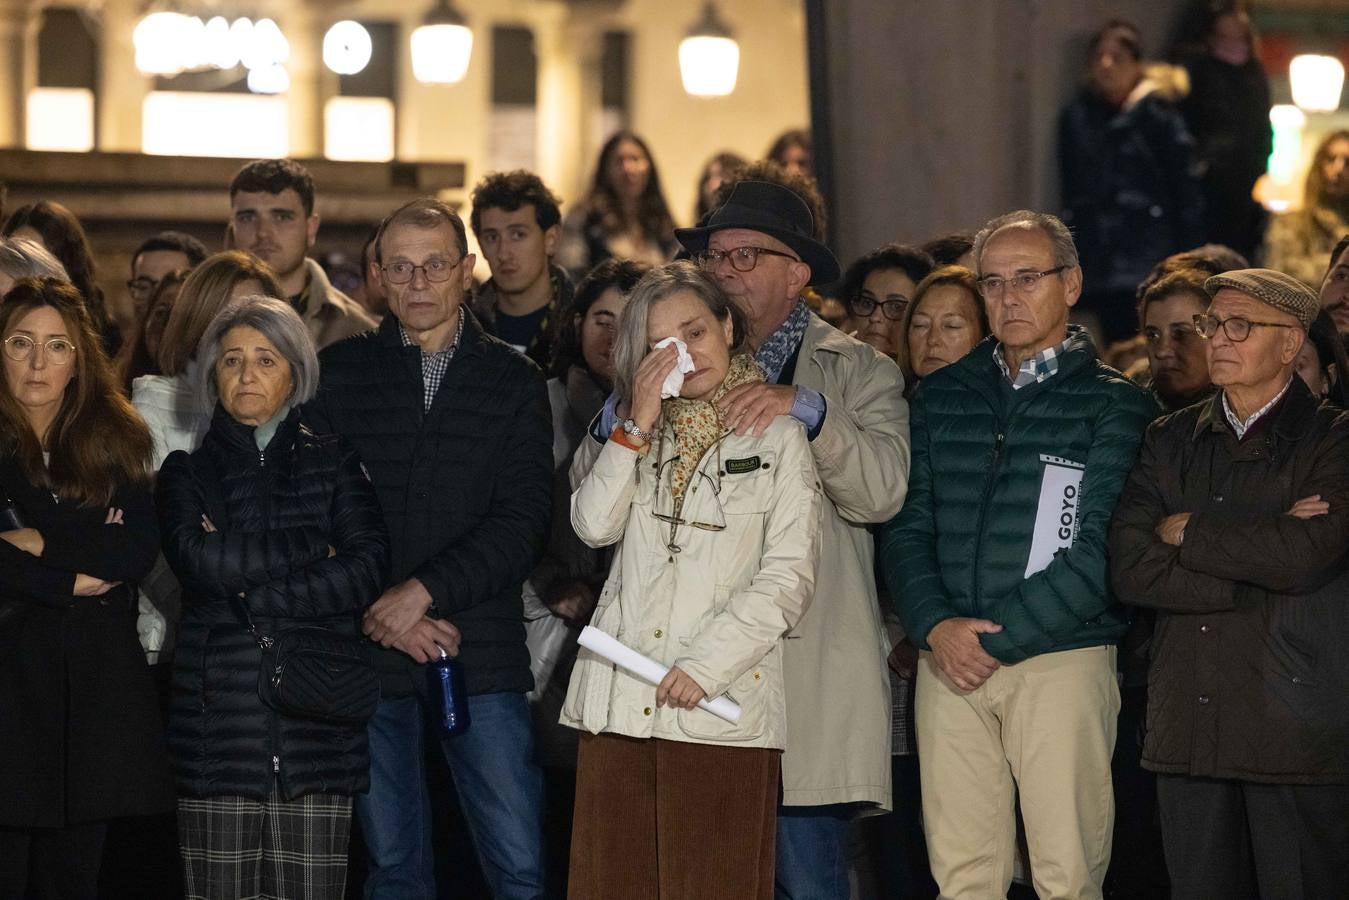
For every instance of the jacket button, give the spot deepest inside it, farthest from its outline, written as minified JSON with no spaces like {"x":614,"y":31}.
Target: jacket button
{"x":721,"y":474}
{"x":756,"y":676}
{"x":1297,"y":679}
{"x":647,"y":711}
{"x":765,"y":465}
{"x":1203,"y":629}
{"x":1203,"y":699}
{"x":1217,"y":498}
{"x":659,"y":633}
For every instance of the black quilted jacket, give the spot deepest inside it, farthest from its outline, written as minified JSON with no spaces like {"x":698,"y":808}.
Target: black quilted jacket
{"x":466,"y":488}
{"x":277,"y":513}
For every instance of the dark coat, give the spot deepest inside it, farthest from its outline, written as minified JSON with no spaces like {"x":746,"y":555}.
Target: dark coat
{"x":1249,"y":673}
{"x":1130,"y":188}
{"x":277,"y":514}
{"x":465,"y":487}
{"x":83,"y":740}
{"x":1227,"y":111}
{"x":962,"y":542}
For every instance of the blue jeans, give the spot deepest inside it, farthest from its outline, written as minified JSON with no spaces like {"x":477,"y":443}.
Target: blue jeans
{"x":812,"y":857}
{"x":395,"y":814}
{"x":501,"y":792}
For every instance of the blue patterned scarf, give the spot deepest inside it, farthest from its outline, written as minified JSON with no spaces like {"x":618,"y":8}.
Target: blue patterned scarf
{"x":772,"y":356}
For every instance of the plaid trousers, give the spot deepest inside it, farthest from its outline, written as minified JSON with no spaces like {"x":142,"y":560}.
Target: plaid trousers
{"x":237,"y":848}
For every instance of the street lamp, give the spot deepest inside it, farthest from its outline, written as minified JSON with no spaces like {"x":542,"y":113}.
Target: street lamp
{"x":709,"y":58}
{"x":442,"y":46}
{"x":346,"y":47}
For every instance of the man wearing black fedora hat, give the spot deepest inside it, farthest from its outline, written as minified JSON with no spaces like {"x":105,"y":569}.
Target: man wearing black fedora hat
{"x":761,"y":246}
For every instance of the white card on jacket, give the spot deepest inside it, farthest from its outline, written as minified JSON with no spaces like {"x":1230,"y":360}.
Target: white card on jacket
{"x":1056,"y":520}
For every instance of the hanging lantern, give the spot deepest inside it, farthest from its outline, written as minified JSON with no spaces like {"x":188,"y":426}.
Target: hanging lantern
{"x":709,"y":58}
{"x":442,"y":46}
{"x":1316,"y":82}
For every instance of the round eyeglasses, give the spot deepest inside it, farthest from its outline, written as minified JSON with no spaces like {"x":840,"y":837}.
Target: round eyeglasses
{"x":19,"y":347}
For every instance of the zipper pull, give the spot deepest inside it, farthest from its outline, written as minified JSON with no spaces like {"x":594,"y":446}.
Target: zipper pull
{"x":276,"y":764}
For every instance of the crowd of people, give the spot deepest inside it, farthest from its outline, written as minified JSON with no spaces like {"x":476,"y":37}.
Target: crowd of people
{"x":992,"y":614}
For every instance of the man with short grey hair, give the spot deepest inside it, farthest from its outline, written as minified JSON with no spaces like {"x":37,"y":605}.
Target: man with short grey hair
{"x":1233,"y":527}
{"x":997,"y":563}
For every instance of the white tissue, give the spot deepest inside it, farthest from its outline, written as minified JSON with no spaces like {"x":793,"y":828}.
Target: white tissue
{"x":674,"y":382}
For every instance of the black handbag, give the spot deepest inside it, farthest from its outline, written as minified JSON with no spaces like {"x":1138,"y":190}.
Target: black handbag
{"x":307,"y":671}
{"x":312,"y":673}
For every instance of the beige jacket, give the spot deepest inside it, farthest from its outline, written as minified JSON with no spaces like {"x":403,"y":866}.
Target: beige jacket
{"x":330,"y":314}
{"x":719,"y":606}
{"x":838,"y":689}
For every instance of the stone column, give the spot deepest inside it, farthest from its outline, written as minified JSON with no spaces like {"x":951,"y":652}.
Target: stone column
{"x":122,"y":89}
{"x":19,"y":24}
{"x":568,"y":45}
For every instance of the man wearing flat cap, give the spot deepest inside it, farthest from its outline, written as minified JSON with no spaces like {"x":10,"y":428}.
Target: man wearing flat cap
{"x":762,"y":246}
{"x":1234,"y":526}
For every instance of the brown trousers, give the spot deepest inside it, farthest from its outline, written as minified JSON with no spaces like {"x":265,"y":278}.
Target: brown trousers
{"x":668,"y":820}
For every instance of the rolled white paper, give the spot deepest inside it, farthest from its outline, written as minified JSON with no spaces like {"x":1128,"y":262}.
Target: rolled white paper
{"x":647,"y":669}
{"x":674,"y":382}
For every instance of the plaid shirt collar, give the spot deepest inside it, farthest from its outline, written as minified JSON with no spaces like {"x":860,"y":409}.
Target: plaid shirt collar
{"x":1239,"y":427}
{"x":1034,"y":369}
{"x":434,"y":364}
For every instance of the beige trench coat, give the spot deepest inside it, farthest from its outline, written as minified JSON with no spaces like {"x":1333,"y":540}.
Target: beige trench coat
{"x":838,"y":688}
{"x":720,"y":604}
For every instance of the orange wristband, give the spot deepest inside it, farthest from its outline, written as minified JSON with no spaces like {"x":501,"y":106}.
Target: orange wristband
{"x":620,"y":436}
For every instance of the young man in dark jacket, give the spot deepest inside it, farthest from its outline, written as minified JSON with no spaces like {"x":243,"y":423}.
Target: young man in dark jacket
{"x":455,"y":431}
{"x":1233,"y":527}
{"x":998,"y":565}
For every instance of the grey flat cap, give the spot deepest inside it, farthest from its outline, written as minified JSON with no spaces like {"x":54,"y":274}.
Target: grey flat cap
{"x":1273,"y":288}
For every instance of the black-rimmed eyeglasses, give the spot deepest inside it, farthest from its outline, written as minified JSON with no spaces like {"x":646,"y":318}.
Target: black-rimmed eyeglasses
{"x":1237,"y":328}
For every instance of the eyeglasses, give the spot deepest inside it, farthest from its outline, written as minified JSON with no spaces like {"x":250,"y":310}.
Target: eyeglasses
{"x":19,"y":347}
{"x":862,"y":307}
{"x":1177,"y":332}
{"x":676,"y":521}
{"x":1237,"y":328}
{"x":436,"y":271}
{"x":743,"y":259}
{"x":1022,"y":282}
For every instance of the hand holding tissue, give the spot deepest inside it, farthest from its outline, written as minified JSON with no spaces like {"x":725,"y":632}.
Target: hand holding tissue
{"x":674,"y":382}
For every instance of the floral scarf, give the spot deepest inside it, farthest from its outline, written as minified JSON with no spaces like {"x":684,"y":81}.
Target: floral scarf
{"x":697,"y":425}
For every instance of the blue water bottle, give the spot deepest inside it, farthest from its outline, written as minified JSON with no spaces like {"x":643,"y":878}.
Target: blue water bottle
{"x":447,"y":688}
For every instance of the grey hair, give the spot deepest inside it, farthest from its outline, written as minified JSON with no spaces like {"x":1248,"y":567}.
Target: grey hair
{"x":276,"y":321}
{"x":631,"y":345}
{"x":22,"y":258}
{"x":1065,"y":251}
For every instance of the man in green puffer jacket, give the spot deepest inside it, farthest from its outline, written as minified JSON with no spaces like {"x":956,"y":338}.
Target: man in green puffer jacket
{"x":998,"y":564}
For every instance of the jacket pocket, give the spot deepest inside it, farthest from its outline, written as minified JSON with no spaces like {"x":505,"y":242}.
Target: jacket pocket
{"x":752,"y":692}
{"x":747,"y":483}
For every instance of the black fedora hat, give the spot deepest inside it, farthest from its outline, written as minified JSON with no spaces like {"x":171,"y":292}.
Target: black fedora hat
{"x":777,"y":212}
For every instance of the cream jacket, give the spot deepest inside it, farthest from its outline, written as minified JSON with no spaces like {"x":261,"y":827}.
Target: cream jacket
{"x":714,"y":596}
{"x":838,"y":687}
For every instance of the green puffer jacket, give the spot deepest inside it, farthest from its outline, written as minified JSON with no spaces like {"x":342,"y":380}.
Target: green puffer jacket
{"x":983,"y":454}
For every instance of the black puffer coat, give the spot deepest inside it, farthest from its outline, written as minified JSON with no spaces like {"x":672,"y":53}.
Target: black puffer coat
{"x":465,"y":488}
{"x":277,"y":513}
{"x":80,"y":735}
{"x":1249,"y":674}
